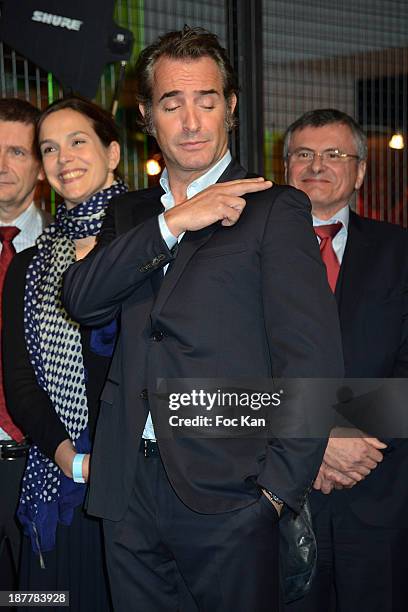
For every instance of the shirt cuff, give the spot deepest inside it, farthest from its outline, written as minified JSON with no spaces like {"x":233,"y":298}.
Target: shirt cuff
{"x":167,"y":236}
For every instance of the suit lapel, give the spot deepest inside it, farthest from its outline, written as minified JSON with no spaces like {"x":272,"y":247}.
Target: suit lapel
{"x":233,"y":172}
{"x":191,"y":242}
{"x":358,"y":256}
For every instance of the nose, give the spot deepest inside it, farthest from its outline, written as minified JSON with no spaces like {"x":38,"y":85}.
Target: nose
{"x":64,"y":155}
{"x":191,"y":119}
{"x":317,"y":163}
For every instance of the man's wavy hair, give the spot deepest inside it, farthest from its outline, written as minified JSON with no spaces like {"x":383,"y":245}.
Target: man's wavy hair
{"x":190,"y":43}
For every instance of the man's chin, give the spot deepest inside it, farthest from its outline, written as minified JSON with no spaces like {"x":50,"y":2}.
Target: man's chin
{"x":6,"y":199}
{"x":200,"y":165}
{"x":316,"y":196}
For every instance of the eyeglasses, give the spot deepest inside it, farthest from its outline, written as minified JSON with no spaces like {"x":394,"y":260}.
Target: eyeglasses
{"x":330,"y":156}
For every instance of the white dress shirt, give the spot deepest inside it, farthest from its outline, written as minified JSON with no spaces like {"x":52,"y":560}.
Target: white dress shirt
{"x":30,"y":223}
{"x":167,"y":199}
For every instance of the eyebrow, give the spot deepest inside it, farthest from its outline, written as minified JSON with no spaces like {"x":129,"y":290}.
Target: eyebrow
{"x":18,"y":146}
{"x":309,"y":149}
{"x":69,"y":136}
{"x":200,"y":92}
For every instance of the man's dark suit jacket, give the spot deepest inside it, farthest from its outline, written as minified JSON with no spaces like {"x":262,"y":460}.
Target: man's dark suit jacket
{"x":372,"y":297}
{"x":247,"y":301}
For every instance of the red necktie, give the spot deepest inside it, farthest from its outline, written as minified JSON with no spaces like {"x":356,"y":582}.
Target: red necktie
{"x":7,"y":235}
{"x":326,"y":234}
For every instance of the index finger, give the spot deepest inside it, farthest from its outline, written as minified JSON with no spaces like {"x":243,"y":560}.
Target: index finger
{"x":242,"y":186}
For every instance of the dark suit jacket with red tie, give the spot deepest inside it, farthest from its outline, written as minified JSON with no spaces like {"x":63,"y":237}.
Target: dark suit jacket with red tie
{"x":247,"y":301}
{"x":372,"y":297}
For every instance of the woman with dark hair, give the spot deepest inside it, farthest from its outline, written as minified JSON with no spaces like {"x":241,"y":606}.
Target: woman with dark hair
{"x":53,"y":370}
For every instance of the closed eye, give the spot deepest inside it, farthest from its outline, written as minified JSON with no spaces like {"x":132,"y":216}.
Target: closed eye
{"x":208,"y":101}
{"x":169,"y":109}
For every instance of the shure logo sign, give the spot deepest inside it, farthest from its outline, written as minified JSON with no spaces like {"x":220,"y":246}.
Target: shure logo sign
{"x":57,"y":20}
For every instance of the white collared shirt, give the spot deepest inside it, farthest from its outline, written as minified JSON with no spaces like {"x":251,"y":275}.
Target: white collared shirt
{"x":202,"y":182}
{"x":31,"y":223}
{"x":339,"y":241}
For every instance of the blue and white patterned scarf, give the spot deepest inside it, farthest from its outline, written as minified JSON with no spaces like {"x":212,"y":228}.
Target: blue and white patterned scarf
{"x":54,"y":346}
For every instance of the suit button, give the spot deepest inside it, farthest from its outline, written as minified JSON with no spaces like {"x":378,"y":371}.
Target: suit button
{"x":143,"y":394}
{"x":158,"y":259}
{"x":157,"y":336}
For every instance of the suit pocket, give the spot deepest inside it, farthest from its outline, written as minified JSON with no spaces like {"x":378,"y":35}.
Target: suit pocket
{"x":267,"y":508}
{"x":209,"y":252}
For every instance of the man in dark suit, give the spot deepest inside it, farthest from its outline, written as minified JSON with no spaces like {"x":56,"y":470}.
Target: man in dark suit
{"x":21,"y":222}
{"x":244,"y":297}
{"x":361,"y":524}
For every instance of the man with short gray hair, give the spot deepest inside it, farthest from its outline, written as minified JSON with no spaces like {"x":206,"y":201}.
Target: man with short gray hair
{"x":360,"y":501}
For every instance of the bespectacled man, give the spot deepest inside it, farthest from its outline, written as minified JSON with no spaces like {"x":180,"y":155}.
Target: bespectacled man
{"x":360,"y":497}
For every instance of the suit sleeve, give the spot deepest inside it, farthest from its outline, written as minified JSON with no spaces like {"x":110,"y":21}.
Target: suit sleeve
{"x":95,"y":287}
{"x":303,"y":334}
{"x":28,"y":404}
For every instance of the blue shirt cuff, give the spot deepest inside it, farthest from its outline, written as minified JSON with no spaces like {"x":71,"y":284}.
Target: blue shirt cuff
{"x":167,"y":236}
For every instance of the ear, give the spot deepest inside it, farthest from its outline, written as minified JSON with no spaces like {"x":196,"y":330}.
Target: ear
{"x":142,"y":110}
{"x":362,"y":165}
{"x":232,"y":101}
{"x":114,"y":155}
{"x":285,"y":165}
{"x":41,"y":174}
